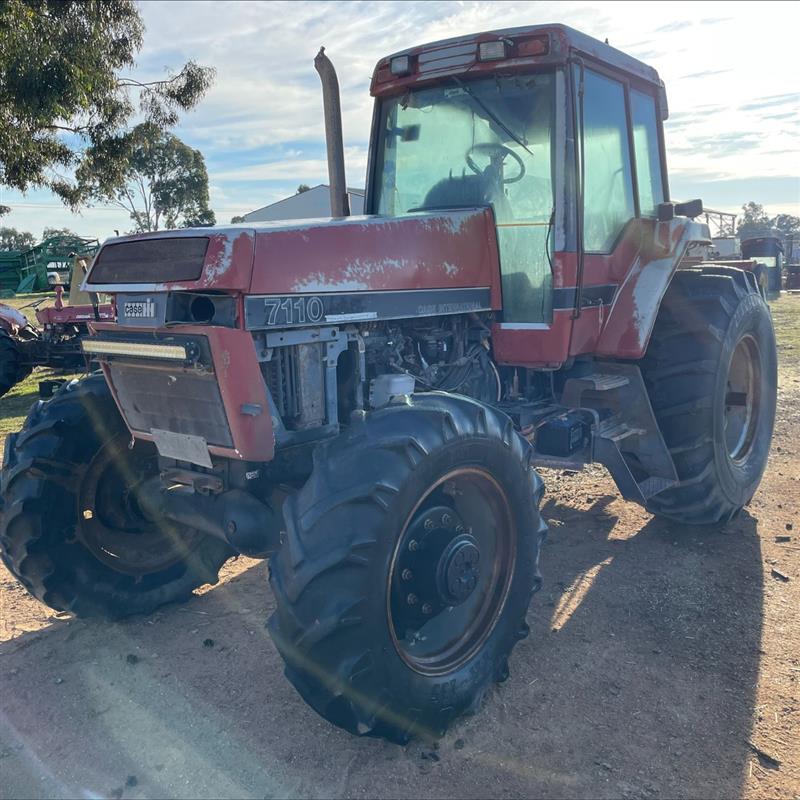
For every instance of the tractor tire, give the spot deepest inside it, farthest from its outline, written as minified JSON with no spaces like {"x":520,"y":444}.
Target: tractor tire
{"x":410,"y":558}
{"x":711,"y":374}
{"x":71,"y":529}
{"x":11,"y":369}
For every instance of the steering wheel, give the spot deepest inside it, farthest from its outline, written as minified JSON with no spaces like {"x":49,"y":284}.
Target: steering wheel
{"x":493,"y":151}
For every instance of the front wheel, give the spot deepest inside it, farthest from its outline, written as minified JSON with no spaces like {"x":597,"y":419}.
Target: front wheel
{"x":711,"y":373}
{"x":410,"y":560}
{"x":72,"y":529}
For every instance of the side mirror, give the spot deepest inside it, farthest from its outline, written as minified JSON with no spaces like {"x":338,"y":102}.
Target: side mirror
{"x":669,"y":210}
{"x":691,"y":209}
{"x":665,"y":211}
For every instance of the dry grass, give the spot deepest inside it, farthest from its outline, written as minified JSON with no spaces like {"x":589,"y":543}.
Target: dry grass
{"x":786,"y":317}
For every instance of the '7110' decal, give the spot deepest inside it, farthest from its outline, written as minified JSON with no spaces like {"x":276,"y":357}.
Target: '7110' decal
{"x":282,"y":311}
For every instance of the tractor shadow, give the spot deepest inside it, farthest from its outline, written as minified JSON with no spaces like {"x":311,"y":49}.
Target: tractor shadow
{"x":637,"y":680}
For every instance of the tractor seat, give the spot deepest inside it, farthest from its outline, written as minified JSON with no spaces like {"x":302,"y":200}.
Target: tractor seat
{"x":467,"y":191}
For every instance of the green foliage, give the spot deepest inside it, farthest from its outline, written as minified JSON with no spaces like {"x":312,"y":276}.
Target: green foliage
{"x":237,"y":219}
{"x":161,"y":181}
{"x":753,"y":215}
{"x":50,"y":232}
{"x":786,"y":224}
{"x":303,"y":187}
{"x":62,"y":90}
{"x":4,"y":210}
{"x":755,"y":219}
{"x":12,"y":239}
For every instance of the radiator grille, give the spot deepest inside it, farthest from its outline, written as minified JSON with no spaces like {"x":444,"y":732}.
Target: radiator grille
{"x":171,"y":399}
{"x":150,"y":261}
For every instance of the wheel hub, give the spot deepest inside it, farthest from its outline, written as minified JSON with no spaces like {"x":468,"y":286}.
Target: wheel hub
{"x":742,"y":399}
{"x":439,"y":565}
{"x":451,"y":570}
{"x":457,"y":572}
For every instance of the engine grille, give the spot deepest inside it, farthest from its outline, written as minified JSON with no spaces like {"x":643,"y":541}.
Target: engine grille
{"x":151,"y":261}
{"x":172,"y":399}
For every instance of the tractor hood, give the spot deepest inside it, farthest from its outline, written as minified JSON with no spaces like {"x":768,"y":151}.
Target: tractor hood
{"x":442,"y":250}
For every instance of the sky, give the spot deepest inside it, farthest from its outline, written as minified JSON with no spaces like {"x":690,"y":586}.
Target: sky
{"x":730,"y":69}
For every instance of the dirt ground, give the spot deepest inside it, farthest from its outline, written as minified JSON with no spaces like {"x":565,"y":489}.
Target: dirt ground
{"x":663,"y":662}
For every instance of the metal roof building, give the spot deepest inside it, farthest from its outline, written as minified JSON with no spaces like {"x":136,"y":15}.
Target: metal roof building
{"x":316,"y":202}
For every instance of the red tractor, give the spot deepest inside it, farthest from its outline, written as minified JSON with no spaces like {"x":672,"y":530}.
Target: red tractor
{"x":364,"y":400}
{"x":55,"y":342}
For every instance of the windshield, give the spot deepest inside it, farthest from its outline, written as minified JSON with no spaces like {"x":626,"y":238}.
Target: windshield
{"x":476,"y":143}
{"x":468,"y":144}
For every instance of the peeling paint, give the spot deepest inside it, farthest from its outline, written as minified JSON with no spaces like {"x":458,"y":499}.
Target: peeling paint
{"x":223,"y":259}
{"x":638,"y":300}
{"x":319,"y":282}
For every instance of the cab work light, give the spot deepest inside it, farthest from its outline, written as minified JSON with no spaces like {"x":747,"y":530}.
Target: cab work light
{"x":491,"y":51}
{"x":103,"y":347}
{"x":400,"y":65}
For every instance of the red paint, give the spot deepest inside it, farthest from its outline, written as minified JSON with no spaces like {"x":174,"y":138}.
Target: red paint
{"x":527,"y":48}
{"x":228,"y":262}
{"x":641,"y":266}
{"x":239,"y":378}
{"x":51,"y":315}
{"x":630,"y":320}
{"x":445,"y":250}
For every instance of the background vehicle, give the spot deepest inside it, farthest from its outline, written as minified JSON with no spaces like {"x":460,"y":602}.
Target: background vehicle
{"x":365,"y":399}
{"x":766,"y":248}
{"x":45,"y":265}
{"x":55,"y":342}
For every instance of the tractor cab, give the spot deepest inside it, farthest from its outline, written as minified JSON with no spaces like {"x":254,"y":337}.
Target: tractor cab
{"x":560,"y":135}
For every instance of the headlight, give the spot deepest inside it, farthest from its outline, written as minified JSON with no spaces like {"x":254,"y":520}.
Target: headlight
{"x":104,"y":347}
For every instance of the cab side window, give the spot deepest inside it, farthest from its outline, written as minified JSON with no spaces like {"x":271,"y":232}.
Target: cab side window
{"x":648,"y":161}
{"x":608,"y":202}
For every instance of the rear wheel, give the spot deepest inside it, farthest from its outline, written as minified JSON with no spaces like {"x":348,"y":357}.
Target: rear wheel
{"x":410,"y":560}
{"x":711,"y":373}
{"x":11,"y":369}
{"x":72,"y":528}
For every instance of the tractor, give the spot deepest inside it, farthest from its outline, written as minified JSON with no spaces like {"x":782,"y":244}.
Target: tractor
{"x":365,"y":400}
{"x":55,"y":341}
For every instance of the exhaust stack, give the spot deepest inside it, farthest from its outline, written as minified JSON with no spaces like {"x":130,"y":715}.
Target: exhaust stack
{"x":340,"y":203}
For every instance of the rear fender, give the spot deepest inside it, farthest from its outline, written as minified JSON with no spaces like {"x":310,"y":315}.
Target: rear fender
{"x":629,"y":324}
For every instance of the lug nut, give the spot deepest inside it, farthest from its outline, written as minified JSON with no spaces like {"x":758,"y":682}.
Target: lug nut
{"x":459,"y":529}
{"x":407,"y":575}
{"x":446,"y":519}
{"x":426,"y":608}
{"x":428,"y":525}
{"x":412,"y":599}
{"x":413,"y":546}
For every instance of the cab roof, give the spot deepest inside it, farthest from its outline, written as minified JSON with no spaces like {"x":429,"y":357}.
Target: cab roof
{"x":526,"y":46}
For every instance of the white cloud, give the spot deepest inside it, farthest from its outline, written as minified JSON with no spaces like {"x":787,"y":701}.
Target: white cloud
{"x":266,"y":105}
{"x":267,"y":94}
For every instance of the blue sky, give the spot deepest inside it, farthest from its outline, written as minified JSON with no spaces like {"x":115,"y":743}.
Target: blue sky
{"x":730,"y":69}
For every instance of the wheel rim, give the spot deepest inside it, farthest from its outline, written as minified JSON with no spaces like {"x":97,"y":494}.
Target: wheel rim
{"x":742,"y":399}
{"x":111,"y":523}
{"x":451,"y":571}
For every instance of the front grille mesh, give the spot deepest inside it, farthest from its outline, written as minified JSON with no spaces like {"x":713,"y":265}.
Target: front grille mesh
{"x":172,"y":399}
{"x":150,"y":260}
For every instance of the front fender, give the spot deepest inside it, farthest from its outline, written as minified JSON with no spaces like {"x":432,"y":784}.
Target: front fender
{"x":11,"y":319}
